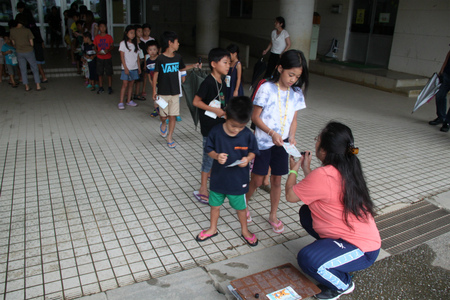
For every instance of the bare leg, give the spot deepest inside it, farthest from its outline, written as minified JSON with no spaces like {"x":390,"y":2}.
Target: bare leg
{"x":204,"y":184}
{"x":123,"y":89}
{"x":275,"y":194}
{"x":172,"y":122}
{"x":41,"y":71}
{"x":255,"y":182}
{"x":100,"y":80}
{"x":130,"y":91}
{"x":242,"y":215}
{"x":109,"y":81}
{"x":215,"y":213}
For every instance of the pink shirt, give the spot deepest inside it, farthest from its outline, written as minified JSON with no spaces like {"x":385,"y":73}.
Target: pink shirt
{"x":321,"y":190}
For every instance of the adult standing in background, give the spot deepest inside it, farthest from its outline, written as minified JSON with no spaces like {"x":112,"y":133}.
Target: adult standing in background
{"x":279,"y":43}
{"x":441,"y":96}
{"x":22,"y":39}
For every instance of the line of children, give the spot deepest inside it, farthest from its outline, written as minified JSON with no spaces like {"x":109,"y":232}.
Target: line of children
{"x":167,"y":68}
{"x":131,"y":68}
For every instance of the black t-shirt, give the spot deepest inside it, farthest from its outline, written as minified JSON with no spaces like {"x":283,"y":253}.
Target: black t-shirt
{"x":167,"y":68}
{"x":232,"y":180}
{"x":209,"y":90}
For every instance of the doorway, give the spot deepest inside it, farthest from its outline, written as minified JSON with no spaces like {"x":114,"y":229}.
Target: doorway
{"x":371,"y":32}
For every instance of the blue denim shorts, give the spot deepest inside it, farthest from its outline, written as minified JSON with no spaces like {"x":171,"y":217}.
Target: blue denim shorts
{"x":134,"y":75}
{"x":207,"y":161}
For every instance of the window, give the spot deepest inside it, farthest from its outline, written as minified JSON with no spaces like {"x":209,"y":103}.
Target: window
{"x":240,"y":8}
{"x":5,"y":11}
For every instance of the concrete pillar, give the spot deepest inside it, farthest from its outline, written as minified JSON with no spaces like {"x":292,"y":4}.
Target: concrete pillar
{"x":299,"y":21}
{"x":207,"y":36}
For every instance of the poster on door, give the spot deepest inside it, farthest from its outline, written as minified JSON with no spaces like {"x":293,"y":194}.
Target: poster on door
{"x":360,"y":16}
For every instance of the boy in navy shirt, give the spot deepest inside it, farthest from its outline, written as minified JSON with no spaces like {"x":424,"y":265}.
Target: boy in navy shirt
{"x":232,"y":146}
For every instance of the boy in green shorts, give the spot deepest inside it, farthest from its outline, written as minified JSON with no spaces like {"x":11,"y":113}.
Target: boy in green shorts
{"x":232,"y":146}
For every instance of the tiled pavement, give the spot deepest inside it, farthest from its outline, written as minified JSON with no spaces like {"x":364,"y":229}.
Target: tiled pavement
{"x":92,"y":198}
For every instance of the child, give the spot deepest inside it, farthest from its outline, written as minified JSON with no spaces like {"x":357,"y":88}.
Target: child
{"x":145,"y":38}
{"x":78,"y":43}
{"x":104,"y":44}
{"x":152,"y":53}
{"x":166,"y":75}
{"x":212,"y":88}
{"x":73,"y":18}
{"x":337,"y":211}
{"x":9,"y":52}
{"x":235,"y":86}
{"x":131,"y":68}
{"x":275,"y":116}
{"x":91,"y":59}
{"x":228,"y":143}
{"x":137,"y":95}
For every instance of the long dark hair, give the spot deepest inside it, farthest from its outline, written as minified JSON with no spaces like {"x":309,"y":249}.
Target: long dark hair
{"x":293,"y":59}
{"x":336,"y":139}
{"x":125,"y":38}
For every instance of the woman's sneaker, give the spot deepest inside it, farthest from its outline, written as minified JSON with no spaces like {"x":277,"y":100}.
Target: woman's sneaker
{"x":329,"y":294}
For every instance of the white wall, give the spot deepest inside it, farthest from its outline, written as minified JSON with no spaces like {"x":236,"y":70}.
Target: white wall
{"x":422,"y":36}
{"x":333,"y":25}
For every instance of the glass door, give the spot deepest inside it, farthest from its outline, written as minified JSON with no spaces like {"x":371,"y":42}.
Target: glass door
{"x":118,"y":18}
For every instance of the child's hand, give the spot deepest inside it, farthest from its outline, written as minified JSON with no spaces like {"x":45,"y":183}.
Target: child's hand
{"x":235,"y":93}
{"x":222,"y":158}
{"x":277,"y":139}
{"x":292,"y":141}
{"x":244,"y":162}
{"x":127,"y":72}
{"x":155,"y":96}
{"x":219,"y":112}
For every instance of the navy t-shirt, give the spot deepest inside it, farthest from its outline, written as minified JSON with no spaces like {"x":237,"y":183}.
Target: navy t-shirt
{"x":208,"y":91}
{"x":167,"y":68}
{"x":233,"y":180}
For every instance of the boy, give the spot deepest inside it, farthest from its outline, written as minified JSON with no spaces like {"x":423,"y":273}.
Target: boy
{"x":166,"y":75}
{"x":212,"y":88}
{"x":9,"y":52}
{"x":78,"y":43}
{"x":232,"y":146}
{"x":104,"y":44}
{"x":150,"y":60}
{"x":89,"y":54}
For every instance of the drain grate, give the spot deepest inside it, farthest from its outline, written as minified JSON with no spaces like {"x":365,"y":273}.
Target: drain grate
{"x":409,"y":227}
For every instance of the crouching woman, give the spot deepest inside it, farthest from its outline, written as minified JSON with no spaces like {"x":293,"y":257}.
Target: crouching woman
{"x":338,"y":212}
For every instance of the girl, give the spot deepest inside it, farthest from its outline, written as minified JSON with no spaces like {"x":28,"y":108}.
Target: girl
{"x":275,"y":115}
{"x":235,"y":89}
{"x":131,"y":68}
{"x":280,"y":42}
{"x":338,"y":212}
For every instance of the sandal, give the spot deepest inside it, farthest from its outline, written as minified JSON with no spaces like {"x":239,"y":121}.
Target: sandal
{"x":171,"y":145}
{"x":163,"y":133}
{"x":276,"y":226}
{"x":252,"y":242}
{"x":202,"y":236}
{"x":201,"y":198}
{"x":41,"y":89}
{"x":140,"y":98}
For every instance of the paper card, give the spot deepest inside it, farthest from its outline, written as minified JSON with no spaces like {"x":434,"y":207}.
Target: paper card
{"x":237,"y":162}
{"x":141,"y":54}
{"x":291,"y":150}
{"x":287,"y":293}
{"x":214,"y":103}
{"x":162,"y":103}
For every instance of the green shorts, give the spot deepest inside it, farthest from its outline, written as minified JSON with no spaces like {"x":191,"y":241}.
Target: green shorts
{"x":237,"y":202}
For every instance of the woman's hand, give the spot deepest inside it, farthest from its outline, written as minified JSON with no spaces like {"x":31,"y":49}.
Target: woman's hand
{"x":294,"y":165}
{"x":277,"y":139}
{"x":305,"y":162}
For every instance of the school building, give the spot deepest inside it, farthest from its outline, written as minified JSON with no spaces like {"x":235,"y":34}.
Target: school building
{"x":410,"y":36}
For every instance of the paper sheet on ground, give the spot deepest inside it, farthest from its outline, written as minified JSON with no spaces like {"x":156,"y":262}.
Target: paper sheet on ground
{"x":237,"y":162}
{"x":291,"y":150}
{"x":287,"y":293}
{"x":162,"y":103}
{"x":214,"y":103}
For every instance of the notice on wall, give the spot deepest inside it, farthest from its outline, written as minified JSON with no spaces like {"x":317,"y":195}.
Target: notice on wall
{"x":360,"y":15}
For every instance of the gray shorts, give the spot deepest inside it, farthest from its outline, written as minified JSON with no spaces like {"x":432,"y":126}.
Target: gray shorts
{"x":207,"y":161}
{"x":12,"y":70}
{"x":104,"y":66}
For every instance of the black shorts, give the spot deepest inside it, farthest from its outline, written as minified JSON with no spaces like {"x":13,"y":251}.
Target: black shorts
{"x":104,"y":66}
{"x":275,"y":157}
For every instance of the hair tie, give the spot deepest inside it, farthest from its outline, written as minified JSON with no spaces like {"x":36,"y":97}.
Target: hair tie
{"x":352,"y":149}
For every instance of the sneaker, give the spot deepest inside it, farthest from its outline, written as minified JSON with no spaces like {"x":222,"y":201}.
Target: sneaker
{"x":132,"y":103}
{"x":96,"y":86}
{"x":444,"y":127}
{"x":110,"y":91}
{"x":179,"y":119}
{"x":329,"y":294}
{"x":100,"y":91}
{"x":121,"y":106}
{"x":436,"y":121}
{"x":89,"y":86}
{"x":155,"y":113}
